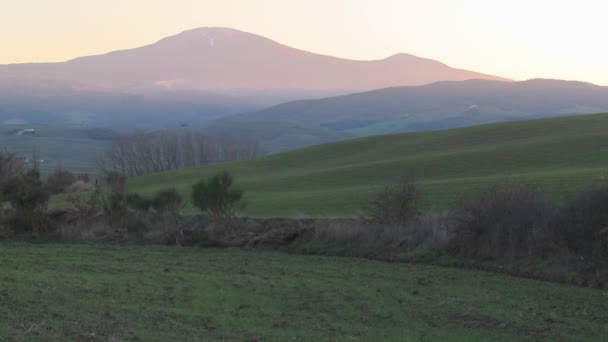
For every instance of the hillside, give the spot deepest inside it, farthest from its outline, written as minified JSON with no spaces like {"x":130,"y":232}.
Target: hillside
{"x":560,"y":155}
{"x":275,"y":136}
{"x":441,"y":105}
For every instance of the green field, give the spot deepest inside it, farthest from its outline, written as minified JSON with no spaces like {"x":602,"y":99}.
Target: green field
{"x":74,"y":146}
{"x":111,"y":293}
{"x":559,"y":155}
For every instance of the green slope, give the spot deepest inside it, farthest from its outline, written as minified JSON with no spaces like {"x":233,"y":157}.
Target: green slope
{"x":560,"y":155}
{"x":111,"y":293}
{"x":275,"y":136}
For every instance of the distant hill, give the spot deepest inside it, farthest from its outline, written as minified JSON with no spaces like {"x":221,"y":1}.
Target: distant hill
{"x":441,"y":105}
{"x":275,"y":136}
{"x":559,"y":155}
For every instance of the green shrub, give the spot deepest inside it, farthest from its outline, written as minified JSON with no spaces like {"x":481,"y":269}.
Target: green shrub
{"x":117,"y":204}
{"x":167,"y":201}
{"x":29,"y":198}
{"x":216,"y":197}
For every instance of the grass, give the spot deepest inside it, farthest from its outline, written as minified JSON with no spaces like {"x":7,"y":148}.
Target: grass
{"x":559,"y":155}
{"x":92,"y":292}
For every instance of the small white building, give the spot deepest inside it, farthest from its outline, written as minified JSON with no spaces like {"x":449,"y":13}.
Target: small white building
{"x":27,"y":131}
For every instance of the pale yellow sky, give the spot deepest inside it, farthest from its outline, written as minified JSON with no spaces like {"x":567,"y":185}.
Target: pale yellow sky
{"x":520,"y":39}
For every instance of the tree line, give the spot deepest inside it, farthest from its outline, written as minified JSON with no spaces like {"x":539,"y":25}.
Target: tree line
{"x":139,"y":154}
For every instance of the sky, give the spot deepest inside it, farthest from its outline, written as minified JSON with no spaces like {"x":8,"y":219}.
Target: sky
{"x":518,"y":39}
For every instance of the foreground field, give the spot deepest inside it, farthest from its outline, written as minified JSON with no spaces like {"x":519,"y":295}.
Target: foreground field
{"x":560,"y":155}
{"x":111,"y":293}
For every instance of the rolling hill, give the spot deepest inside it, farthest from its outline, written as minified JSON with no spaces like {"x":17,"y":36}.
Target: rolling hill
{"x":441,"y":105}
{"x":559,"y":155}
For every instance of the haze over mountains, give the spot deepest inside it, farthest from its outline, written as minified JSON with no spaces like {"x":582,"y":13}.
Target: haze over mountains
{"x":203,"y":73}
{"x":234,"y":82}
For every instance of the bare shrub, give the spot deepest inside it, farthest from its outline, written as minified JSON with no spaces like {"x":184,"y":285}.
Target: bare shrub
{"x":167,"y":203}
{"x":396,"y":204}
{"x":79,"y":186}
{"x":583,"y":226}
{"x":364,"y":238}
{"x":59,"y":180}
{"x":83,"y":209}
{"x":115,"y":202}
{"x":504,"y":220}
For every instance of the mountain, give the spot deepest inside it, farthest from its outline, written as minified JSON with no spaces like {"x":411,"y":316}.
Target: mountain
{"x":441,"y":105}
{"x":227,"y":60}
{"x":210,"y":72}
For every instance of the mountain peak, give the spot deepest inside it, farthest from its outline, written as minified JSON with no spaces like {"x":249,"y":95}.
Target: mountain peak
{"x":214,"y":30}
{"x":409,"y":58}
{"x":401,"y":56}
{"x":211,"y":32}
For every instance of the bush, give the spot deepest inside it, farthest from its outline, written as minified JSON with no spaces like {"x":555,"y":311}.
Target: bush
{"x":583,"y":226}
{"x":167,"y":203}
{"x":11,"y":167}
{"x":83,"y":209}
{"x":396,"y":204}
{"x":216,"y":197}
{"x":28,"y":197}
{"x":79,"y":186}
{"x":117,"y":204}
{"x":504,"y":220}
{"x":59,"y":180}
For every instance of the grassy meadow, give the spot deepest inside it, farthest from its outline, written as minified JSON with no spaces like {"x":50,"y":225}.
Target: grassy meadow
{"x":559,"y":155}
{"x":111,"y":293}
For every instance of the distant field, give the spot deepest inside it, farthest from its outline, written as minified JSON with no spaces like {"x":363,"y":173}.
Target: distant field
{"x":111,"y":293}
{"x":75,"y":146}
{"x":559,"y":155}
